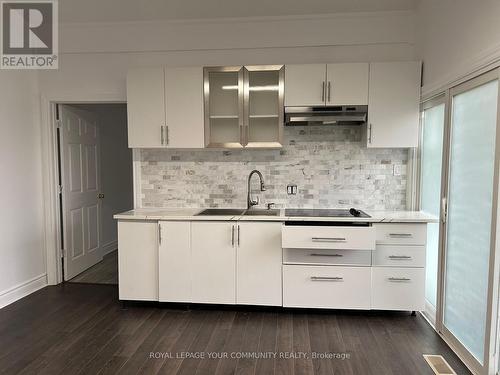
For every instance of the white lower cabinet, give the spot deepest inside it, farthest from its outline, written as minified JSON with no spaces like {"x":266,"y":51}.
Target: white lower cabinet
{"x":398,"y":288}
{"x":332,"y":287}
{"x":213,"y":249}
{"x":243,"y":262}
{"x":399,"y":256}
{"x":328,"y":237}
{"x":138,"y":260}
{"x":327,"y":257}
{"x":258,"y":264}
{"x":174,"y":262}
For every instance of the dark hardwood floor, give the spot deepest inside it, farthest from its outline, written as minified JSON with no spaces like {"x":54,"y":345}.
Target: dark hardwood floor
{"x":82,"y":329}
{"x":104,"y":272}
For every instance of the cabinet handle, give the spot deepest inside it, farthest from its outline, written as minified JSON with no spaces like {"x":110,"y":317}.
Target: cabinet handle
{"x":399,"y":257}
{"x":370,"y":133}
{"x":166,"y":130}
{"x":162,"y":135}
{"x":401,"y":235}
{"x":232,"y":236}
{"x":238,"y":235}
{"x":398,"y":279}
{"x":325,"y":278}
{"x":328,"y":239}
{"x":323,"y":91}
{"x":329,"y":90}
{"x":325,"y":255}
{"x":159,"y":233}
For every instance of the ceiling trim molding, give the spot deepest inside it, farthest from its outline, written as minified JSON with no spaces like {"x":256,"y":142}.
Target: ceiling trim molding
{"x":304,"y":46}
{"x":195,"y":21}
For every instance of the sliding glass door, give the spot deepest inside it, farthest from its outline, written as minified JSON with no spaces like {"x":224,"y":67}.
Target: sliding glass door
{"x":471,"y":218}
{"x":431,"y":156}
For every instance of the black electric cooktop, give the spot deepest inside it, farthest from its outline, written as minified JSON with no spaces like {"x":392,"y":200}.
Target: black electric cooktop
{"x":325,"y":212}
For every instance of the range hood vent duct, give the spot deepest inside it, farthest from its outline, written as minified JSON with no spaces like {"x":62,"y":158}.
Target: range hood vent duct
{"x":331,"y":115}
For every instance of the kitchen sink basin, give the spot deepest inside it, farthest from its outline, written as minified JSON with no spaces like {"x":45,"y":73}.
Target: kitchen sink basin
{"x":237,"y":212}
{"x":258,"y":212}
{"x":221,"y":212}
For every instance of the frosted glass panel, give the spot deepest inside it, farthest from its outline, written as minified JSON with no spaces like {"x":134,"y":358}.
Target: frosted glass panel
{"x":431,"y":154}
{"x":469,"y":215}
{"x":224,"y":107}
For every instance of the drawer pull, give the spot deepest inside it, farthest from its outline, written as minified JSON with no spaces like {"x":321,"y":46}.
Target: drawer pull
{"x":399,"y":257}
{"x":399,"y":279}
{"x":328,"y":239}
{"x":325,"y":278}
{"x":326,"y":255}
{"x":401,"y":235}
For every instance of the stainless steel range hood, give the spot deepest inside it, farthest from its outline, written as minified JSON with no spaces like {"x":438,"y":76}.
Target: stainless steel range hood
{"x":330,"y":115}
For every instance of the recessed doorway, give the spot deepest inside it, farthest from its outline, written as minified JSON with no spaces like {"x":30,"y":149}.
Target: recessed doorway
{"x":95,"y":182}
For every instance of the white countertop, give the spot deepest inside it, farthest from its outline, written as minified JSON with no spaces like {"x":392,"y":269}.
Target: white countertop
{"x":176,"y":214}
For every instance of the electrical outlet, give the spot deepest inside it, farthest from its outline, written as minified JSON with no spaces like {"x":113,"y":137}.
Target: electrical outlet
{"x":397,"y":169}
{"x":291,"y":189}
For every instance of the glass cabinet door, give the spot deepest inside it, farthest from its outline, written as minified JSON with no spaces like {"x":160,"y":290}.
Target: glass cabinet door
{"x":223,"y":88}
{"x":264,"y":88}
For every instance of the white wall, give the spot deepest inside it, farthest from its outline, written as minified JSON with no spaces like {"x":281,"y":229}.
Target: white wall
{"x":22,"y":253}
{"x":455,"y":36}
{"x":96,"y":57}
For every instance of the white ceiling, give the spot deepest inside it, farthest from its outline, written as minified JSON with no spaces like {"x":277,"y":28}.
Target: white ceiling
{"x":149,"y":10}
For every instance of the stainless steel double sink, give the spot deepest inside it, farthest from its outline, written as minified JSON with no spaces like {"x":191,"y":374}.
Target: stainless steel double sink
{"x":238,"y":212}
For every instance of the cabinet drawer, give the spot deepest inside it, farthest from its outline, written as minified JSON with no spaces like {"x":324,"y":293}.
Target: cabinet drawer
{"x":399,"y":256}
{"x":327,"y":257}
{"x":331,"y":287}
{"x":310,"y":237}
{"x":401,"y":234}
{"x":398,"y":288}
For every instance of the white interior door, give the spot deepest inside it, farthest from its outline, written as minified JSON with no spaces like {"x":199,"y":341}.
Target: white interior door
{"x":80,"y":175}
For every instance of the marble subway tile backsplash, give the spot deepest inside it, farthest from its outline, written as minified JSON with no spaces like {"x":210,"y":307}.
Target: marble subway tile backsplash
{"x":329,"y":164}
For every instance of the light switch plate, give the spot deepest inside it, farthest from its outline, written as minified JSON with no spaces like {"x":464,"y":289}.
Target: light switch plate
{"x":397,"y":169}
{"x":291,"y":189}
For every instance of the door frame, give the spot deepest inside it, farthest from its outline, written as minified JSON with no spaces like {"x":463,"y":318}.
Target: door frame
{"x":50,"y":173}
{"x":431,"y":312}
{"x":491,"y":356}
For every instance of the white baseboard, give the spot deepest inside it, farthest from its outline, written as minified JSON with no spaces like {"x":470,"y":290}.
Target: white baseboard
{"x":22,"y":290}
{"x":109,"y":247}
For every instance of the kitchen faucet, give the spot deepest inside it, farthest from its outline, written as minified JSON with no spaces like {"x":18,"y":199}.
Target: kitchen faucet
{"x":250,"y":201}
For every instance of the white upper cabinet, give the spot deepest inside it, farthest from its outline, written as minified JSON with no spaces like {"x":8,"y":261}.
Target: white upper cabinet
{"x":347,"y":84}
{"x":393,"y":105}
{"x":165,"y":107}
{"x":145,"y":107}
{"x":305,"y":85}
{"x":326,"y":84}
{"x":184,"y":107}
